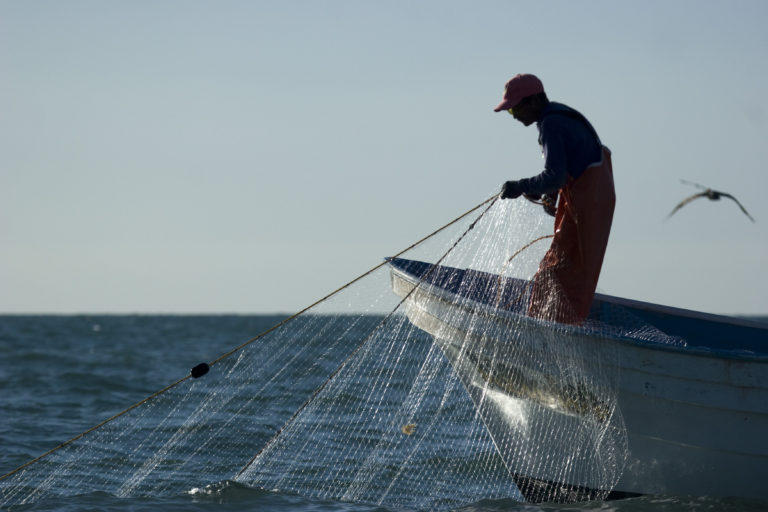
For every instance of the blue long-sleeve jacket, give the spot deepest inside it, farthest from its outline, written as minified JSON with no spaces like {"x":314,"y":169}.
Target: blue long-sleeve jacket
{"x":569,"y":144}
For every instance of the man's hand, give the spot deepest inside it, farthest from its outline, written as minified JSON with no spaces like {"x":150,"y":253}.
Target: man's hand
{"x":550,"y":203}
{"x":511,"y":190}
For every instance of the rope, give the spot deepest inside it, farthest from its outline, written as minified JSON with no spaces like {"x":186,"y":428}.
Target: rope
{"x":333,"y":374}
{"x":504,"y":267}
{"x":527,"y":246}
{"x":361,"y":276}
{"x":96,"y":427}
{"x":491,"y":200}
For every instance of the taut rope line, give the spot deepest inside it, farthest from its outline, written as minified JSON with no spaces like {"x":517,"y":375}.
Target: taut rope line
{"x":96,"y":427}
{"x":362,"y":344}
{"x":361,"y":276}
{"x":195,"y":373}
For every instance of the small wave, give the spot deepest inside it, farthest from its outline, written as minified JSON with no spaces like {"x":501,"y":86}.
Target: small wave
{"x":227,"y":490}
{"x":254,"y":498}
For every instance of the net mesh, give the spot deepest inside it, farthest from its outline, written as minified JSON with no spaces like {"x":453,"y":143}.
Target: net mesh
{"x":430,"y":397}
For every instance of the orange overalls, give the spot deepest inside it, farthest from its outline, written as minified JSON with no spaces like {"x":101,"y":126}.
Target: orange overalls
{"x":564,"y":285}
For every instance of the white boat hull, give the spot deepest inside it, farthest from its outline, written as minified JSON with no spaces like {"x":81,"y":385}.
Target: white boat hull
{"x":695,"y":422}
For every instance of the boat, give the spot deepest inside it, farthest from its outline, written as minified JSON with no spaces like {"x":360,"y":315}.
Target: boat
{"x":639,"y":399}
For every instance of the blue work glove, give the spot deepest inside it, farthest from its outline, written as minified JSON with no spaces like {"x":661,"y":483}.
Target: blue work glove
{"x":511,"y":190}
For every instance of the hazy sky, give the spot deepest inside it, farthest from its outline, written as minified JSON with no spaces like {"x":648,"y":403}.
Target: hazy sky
{"x":251,"y":156}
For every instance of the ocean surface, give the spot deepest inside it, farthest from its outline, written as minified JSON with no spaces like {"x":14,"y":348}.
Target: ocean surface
{"x":60,"y":375}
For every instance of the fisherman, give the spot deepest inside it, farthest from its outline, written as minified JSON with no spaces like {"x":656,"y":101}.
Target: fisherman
{"x":577,"y":168}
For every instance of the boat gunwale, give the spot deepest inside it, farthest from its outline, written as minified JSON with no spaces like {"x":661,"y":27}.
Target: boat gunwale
{"x":682,"y":312}
{"x":507,"y":315}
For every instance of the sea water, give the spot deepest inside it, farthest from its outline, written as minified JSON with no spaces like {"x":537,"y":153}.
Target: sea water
{"x":60,"y":375}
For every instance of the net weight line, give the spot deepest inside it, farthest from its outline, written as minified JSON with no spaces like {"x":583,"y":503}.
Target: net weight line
{"x":202,"y":368}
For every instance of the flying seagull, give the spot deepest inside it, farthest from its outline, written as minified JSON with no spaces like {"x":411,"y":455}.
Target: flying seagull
{"x":712,"y":195}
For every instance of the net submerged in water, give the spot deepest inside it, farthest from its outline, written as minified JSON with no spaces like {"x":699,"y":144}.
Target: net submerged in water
{"x":418,"y":399}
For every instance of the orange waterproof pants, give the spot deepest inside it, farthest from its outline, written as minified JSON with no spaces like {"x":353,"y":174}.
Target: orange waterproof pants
{"x":564,"y":285}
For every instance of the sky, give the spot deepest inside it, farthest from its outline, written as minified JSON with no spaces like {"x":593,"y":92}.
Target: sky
{"x":252,"y":156}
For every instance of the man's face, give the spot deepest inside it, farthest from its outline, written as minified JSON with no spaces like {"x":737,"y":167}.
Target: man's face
{"x":525,"y":112}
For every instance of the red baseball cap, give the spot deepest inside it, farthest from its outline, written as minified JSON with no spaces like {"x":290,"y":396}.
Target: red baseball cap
{"x":519,"y":87}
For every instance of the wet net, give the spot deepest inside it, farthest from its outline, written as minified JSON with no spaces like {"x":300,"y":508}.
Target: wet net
{"x":418,"y":386}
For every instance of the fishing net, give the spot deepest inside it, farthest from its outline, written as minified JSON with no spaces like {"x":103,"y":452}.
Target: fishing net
{"x":417,"y":386}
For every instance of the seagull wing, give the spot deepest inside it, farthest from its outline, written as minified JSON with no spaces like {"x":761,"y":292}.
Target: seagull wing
{"x":686,"y":201}
{"x":702,"y":187}
{"x":738,"y":203}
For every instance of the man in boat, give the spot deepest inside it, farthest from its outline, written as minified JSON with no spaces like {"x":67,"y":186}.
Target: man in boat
{"x":576,"y":186}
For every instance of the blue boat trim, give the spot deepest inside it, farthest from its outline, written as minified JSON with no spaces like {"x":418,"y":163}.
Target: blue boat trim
{"x":696,"y":332}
